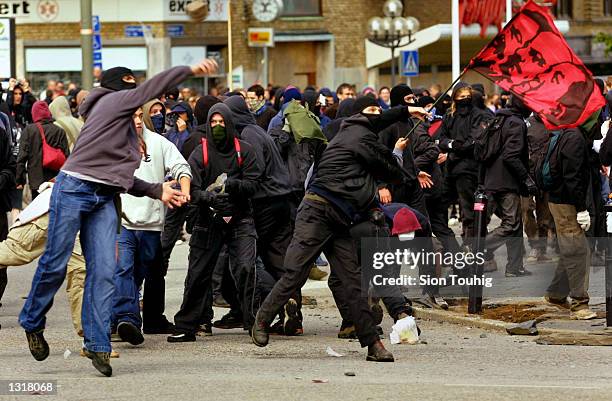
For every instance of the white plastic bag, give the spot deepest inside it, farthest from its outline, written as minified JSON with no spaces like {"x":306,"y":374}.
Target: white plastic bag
{"x":404,"y":331}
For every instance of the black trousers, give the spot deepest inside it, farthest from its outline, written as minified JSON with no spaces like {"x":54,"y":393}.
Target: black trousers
{"x":3,"y":235}
{"x":175,"y":218}
{"x":395,"y":302}
{"x":510,"y":231}
{"x":205,"y":245}
{"x":320,"y":227}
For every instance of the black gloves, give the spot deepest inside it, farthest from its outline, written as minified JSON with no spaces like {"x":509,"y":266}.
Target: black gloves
{"x":219,"y":202}
{"x":532,"y":188}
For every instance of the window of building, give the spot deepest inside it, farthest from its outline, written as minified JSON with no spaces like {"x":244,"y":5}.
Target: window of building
{"x":608,"y":8}
{"x":301,"y":8}
{"x":563,"y":9}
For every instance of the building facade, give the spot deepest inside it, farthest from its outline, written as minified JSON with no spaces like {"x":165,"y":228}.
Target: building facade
{"x":317,"y":42}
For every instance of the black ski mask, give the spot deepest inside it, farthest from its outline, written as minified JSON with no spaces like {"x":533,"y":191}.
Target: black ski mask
{"x":113,"y":79}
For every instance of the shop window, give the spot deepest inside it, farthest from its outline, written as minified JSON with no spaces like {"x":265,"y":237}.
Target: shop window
{"x":563,"y":9}
{"x":608,"y":8}
{"x":302,"y":8}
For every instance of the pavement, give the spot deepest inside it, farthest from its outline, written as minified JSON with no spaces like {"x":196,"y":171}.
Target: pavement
{"x":452,"y":362}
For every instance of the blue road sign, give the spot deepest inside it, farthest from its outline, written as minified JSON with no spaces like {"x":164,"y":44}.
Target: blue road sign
{"x":409,"y":63}
{"x":175,"y":31}
{"x":135,"y":31}
{"x":97,"y":56}
{"x":97,"y":42}
{"x":95,"y":22}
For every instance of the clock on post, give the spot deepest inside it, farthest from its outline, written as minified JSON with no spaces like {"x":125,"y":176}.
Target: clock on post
{"x":267,"y":10}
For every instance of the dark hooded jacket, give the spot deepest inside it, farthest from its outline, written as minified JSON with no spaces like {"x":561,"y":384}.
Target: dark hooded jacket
{"x":537,"y":140}
{"x":510,"y":169}
{"x":569,"y":170}
{"x":461,"y":130}
{"x":107,"y":148}
{"x":242,"y":180}
{"x":352,"y":165}
{"x":179,"y":138}
{"x":345,"y":110}
{"x":275,"y":178}
{"x":7,"y":170}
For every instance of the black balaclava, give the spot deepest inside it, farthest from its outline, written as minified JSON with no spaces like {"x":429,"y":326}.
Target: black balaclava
{"x":310,"y":98}
{"x":463,"y":106}
{"x":113,"y":79}
{"x":363,"y":102}
{"x":444,"y":104}
{"x":398,"y":93}
{"x":202,"y":107}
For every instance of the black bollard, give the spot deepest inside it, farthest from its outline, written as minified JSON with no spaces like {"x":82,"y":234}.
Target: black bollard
{"x":480,"y":233}
{"x":608,"y":271}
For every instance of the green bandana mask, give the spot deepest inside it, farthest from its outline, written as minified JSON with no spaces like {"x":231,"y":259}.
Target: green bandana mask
{"x":219,"y":134}
{"x":255,"y":105}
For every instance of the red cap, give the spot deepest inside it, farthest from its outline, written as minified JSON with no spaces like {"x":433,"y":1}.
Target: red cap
{"x":405,"y":221}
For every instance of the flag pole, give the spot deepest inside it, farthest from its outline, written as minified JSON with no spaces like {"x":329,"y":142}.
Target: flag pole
{"x":438,"y":100}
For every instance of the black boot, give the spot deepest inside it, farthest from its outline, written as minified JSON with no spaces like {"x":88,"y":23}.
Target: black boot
{"x":130,"y":333}
{"x":378,"y":353}
{"x":38,"y":345}
{"x":100,"y":361}
{"x":259,"y":332}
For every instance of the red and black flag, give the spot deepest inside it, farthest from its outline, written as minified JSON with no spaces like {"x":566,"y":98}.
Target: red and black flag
{"x":531,"y":59}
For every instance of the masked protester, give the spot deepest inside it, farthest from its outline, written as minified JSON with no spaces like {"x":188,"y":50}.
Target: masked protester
{"x":311,"y":100}
{"x":7,"y":182}
{"x":100,"y":167}
{"x":456,"y":137}
{"x":181,"y":119}
{"x":263,"y":112}
{"x":139,"y":240}
{"x":271,"y":209}
{"x":154,"y":116}
{"x":345,"y":110}
{"x":342,"y":193}
{"x":225,"y":178}
{"x":506,"y":179}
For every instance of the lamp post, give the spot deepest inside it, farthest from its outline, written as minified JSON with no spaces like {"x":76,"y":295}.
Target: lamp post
{"x":392,"y":30}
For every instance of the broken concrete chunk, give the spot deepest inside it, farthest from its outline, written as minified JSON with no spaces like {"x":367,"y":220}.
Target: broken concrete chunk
{"x":527,"y":328}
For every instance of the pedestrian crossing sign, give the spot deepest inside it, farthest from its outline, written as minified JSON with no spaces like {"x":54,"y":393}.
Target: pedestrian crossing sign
{"x":409,"y":63}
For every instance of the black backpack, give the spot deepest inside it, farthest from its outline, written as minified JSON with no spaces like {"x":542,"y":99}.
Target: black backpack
{"x":487,"y":141}
{"x":544,"y":175}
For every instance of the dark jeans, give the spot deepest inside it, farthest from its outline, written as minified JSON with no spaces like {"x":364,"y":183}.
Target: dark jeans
{"x":320,"y":227}
{"x":205,"y":245}
{"x":3,"y":234}
{"x":510,"y":230}
{"x":137,"y":253}
{"x":175,"y":218}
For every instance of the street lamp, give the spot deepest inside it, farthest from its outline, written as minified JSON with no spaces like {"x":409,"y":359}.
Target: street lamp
{"x":392,"y":30}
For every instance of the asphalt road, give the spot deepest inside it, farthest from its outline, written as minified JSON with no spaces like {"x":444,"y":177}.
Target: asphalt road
{"x":454,"y":363}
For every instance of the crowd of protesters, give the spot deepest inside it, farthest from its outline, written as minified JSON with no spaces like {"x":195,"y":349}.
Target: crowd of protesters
{"x":264,"y":181}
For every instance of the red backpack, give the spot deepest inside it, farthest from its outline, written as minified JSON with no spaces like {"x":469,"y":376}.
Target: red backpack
{"x":52,"y":158}
{"x":205,"y":151}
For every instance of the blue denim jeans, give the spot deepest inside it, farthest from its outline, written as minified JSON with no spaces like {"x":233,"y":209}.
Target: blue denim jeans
{"x":86,"y":206}
{"x":137,"y":253}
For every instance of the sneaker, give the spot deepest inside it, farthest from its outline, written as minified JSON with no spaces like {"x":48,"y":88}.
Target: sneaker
{"x":583,"y":314}
{"x":317,"y":274}
{"x":38,"y":345}
{"x":377,"y":313}
{"x":347,"y":332}
{"x":533,"y":256}
{"x":439,"y":302}
{"x":562,"y":303}
{"x":128,"y":332}
{"x":519,"y":273}
{"x":378,"y":353}
{"x":292,"y":321}
{"x":229,"y":321}
{"x":181,"y":338}
{"x":100,"y":361}
{"x":220,"y":302}
{"x":84,"y":352}
{"x":205,"y":330}
{"x":259,"y":333}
